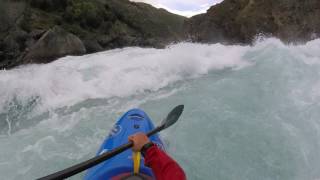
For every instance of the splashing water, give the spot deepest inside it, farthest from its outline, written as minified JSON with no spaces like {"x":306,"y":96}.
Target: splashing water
{"x":251,"y":112}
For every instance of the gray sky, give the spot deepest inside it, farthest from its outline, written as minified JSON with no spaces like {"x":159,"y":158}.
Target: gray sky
{"x":183,"y":7}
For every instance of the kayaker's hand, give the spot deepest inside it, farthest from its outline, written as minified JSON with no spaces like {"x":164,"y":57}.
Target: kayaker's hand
{"x":139,"y":140}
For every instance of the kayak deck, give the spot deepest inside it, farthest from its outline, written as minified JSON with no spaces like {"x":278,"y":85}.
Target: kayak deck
{"x":131,"y":122}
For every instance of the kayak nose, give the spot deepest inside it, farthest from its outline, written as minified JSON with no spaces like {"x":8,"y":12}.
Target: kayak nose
{"x":136,"y":114}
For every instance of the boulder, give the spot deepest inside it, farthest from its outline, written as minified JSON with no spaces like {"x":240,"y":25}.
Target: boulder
{"x":55,"y":43}
{"x":92,"y":45}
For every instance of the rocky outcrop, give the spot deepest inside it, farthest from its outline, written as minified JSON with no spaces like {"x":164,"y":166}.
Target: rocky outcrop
{"x":55,"y":43}
{"x":28,"y":25}
{"x":240,"y":21}
{"x":11,"y":36}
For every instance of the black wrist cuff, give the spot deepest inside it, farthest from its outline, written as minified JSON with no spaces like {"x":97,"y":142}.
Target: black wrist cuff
{"x":146,"y":147}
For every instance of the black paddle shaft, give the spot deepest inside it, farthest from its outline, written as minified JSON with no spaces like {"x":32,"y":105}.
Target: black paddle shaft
{"x":87,"y":164}
{"x":94,"y":161}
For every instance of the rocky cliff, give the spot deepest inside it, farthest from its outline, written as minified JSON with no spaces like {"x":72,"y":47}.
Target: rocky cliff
{"x":39,"y":31}
{"x":240,"y":21}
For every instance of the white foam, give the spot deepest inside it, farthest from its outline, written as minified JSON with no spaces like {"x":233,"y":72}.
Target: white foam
{"x":271,"y":103}
{"x":115,"y":73}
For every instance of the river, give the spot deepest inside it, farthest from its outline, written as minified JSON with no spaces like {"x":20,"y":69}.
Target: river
{"x":251,"y":112}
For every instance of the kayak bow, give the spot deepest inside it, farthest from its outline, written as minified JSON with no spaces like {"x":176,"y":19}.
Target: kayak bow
{"x":132,"y":122}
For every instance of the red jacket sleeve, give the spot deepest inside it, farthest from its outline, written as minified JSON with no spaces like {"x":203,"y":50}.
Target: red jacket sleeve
{"x":163,"y":167}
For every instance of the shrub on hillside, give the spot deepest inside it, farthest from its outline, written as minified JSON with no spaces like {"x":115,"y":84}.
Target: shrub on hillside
{"x":85,"y":12}
{"x":49,"y":5}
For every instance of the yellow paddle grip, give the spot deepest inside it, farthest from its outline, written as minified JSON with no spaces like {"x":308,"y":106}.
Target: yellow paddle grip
{"x":136,"y":156}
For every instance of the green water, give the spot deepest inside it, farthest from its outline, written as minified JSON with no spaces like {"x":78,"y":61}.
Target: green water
{"x":250,"y":112}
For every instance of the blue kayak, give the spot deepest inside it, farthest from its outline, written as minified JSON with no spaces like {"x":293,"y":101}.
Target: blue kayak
{"x":131,"y":122}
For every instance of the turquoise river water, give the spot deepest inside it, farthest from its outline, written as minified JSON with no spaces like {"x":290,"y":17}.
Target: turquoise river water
{"x":251,"y":112}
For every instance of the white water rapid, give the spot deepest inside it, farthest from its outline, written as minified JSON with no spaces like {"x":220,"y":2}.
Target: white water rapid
{"x":251,"y":112}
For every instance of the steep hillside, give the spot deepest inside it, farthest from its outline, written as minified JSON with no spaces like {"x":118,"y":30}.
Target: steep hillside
{"x":91,"y":26}
{"x":240,"y":21}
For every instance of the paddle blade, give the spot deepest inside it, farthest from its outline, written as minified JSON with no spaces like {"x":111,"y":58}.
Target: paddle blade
{"x":173,"y":116}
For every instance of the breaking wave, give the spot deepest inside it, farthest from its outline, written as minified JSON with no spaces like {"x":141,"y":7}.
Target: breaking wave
{"x":252,"y":112}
